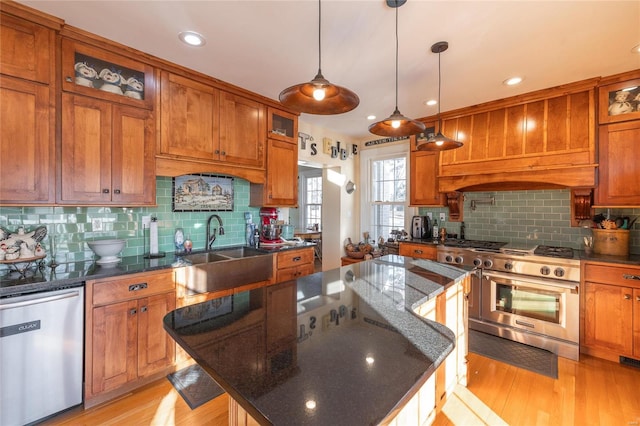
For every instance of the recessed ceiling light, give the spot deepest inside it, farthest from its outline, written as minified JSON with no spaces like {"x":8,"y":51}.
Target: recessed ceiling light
{"x":192,"y":38}
{"x":636,"y":49}
{"x":512,"y":81}
{"x":430,"y":102}
{"x":371,"y":117}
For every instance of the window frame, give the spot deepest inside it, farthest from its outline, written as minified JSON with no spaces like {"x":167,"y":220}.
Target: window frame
{"x":302,"y":210}
{"x":367,"y":158}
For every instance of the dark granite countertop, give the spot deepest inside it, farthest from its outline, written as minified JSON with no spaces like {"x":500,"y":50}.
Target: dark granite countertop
{"x":47,"y":278}
{"x":345,"y":340}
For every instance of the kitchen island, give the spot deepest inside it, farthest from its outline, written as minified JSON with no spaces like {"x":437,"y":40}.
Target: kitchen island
{"x":377,"y":342}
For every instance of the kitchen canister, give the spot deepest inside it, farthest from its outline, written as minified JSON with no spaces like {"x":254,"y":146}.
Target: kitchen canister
{"x":613,"y":242}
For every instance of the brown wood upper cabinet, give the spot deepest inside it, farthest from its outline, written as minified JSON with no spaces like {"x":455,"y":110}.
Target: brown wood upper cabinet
{"x":26,"y":49}
{"x":423,"y":177}
{"x":26,"y":132}
{"x":99,"y":73}
{"x":281,"y":186}
{"x":282,"y":126}
{"x":619,"y":139}
{"x":201,"y":122}
{"x":107,"y":153}
{"x":544,"y":138}
{"x":27,"y":101}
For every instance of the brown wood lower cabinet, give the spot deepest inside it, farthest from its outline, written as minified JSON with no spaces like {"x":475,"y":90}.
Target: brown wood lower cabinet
{"x":610,"y":314}
{"x":292,"y":264}
{"x":422,"y":251}
{"x":125,"y":342}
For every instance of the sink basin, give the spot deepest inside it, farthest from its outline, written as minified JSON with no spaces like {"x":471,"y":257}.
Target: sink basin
{"x":206,"y":257}
{"x":225,"y":269}
{"x":240,"y":252}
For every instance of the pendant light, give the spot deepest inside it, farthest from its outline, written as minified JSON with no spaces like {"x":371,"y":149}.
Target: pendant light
{"x":397,"y":124}
{"x":438,"y":142}
{"x":319,"y":96}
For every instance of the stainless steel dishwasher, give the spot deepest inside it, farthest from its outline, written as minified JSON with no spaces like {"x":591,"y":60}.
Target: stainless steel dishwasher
{"x":41,"y":354}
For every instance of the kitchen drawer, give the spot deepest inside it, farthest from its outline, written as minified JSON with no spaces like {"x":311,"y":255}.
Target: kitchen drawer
{"x":131,"y":287}
{"x":287,"y":274}
{"x":627,"y":276}
{"x":422,"y":251}
{"x":292,"y":258}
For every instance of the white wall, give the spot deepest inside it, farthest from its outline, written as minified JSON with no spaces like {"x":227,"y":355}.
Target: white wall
{"x":340,"y":210}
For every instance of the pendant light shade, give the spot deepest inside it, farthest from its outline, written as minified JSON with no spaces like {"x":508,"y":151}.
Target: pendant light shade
{"x":439,"y":142}
{"x":396,"y":124}
{"x":319,"y":96}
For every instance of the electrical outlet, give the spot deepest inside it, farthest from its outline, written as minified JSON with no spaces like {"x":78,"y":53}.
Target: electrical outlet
{"x":430,"y":215}
{"x":443,"y":217}
{"x":96,"y":224}
{"x":146,"y":221}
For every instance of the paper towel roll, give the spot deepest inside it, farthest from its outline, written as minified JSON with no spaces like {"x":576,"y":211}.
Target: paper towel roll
{"x":153,"y":237}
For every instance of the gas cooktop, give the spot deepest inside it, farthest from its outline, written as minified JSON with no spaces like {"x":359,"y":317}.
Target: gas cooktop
{"x":476,"y":244}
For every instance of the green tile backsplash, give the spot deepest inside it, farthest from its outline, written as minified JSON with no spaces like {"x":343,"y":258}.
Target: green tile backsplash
{"x":521,"y":216}
{"x":69,"y":227}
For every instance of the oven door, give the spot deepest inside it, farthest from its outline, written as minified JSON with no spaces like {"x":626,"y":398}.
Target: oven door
{"x":545,"y":307}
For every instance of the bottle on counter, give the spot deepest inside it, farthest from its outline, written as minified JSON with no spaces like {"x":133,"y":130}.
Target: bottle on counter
{"x":188,"y":244}
{"x":256,"y":239}
{"x":436,"y":230}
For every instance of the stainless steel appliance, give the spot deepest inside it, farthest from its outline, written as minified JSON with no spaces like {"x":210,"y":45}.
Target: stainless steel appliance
{"x":421,"y":228}
{"x":41,"y":354}
{"x":528,"y":294}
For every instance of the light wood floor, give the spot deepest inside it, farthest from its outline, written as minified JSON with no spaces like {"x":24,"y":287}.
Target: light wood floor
{"x":589,"y":392}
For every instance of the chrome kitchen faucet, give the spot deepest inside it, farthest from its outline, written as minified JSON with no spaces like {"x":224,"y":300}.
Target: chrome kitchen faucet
{"x":211,"y":236}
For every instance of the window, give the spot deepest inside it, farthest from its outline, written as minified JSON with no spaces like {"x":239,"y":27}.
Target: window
{"x":310,"y":198}
{"x":389,"y":195}
{"x":384,"y":201}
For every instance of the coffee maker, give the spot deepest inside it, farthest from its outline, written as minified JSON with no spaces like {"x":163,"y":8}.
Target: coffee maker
{"x":269,"y":229}
{"x":421,"y":228}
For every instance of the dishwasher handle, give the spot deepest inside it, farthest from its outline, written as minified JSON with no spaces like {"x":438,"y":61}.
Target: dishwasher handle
{"x":38,"y":299}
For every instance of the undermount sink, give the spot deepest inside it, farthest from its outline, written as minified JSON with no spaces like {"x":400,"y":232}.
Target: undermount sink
{"x":225,"y":269}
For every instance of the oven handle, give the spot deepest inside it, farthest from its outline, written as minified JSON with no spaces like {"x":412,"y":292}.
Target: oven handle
{"x":572,"y":286}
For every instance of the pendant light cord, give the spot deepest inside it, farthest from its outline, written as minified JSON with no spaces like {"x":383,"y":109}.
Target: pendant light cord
{"x":439,"y":86}
{"x":319,"y":37}
{"x":397,"y":7}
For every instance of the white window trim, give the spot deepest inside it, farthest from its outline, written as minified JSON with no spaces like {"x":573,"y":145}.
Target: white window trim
{"x":367,"y":157}
{"x":302,"y":195}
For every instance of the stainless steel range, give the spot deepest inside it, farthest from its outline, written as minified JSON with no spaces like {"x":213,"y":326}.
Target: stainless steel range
{"x":525,"y":293}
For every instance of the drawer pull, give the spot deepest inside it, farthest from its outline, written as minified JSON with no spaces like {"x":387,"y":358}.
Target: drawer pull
{"x":136,"y":287}
{"x":631,"y":277}
{"x":297,"y":259}
{"x":417,"y":251}
{"x":627,"y":297}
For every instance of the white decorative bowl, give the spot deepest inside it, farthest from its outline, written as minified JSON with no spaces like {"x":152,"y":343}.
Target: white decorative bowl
{"x":108,"y":250}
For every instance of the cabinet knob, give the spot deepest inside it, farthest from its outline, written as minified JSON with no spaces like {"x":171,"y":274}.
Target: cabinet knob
{"x":105,"y":191}
{"x":217,"y":151}
{"x":637,"y":298}
{"x":69,"y":79}
{"x":143,"y":309}
{"x":223,"y":152}
{"x":133,"y":311}
{"x":116,"y":191}
{"x":627,"y":297}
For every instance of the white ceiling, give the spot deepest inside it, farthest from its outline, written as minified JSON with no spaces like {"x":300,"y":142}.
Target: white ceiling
{"x":266,"y":45}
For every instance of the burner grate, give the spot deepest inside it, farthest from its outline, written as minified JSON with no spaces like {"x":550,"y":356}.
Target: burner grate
{"x":475,"y":244}
{"x":550,"y":251}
